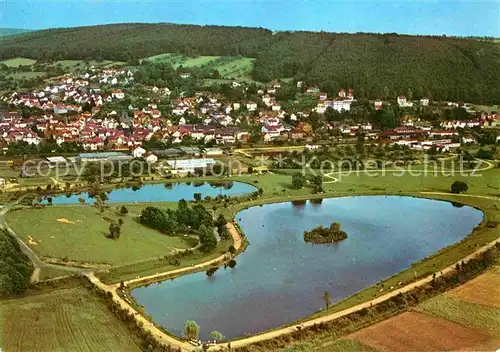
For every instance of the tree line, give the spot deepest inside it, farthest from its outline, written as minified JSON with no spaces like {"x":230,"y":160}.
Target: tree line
{"x":15,"y":266}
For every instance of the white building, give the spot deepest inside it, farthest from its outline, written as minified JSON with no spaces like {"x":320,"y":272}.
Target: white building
{"x":402,"y":102}
{"x":118,"y":94}
{"x":251,"y":106}
{"x":138,"y":152}
{"x":150,"y":158}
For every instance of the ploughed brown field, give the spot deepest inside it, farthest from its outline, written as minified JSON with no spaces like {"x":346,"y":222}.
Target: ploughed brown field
{"x":484,"y":289}
{"x":412,"y":331}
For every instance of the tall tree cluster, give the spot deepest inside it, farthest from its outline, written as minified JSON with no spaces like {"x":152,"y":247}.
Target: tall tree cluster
{"x":15,"y":266}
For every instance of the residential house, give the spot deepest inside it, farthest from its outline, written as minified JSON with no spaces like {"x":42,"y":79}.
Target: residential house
{"x":251,"y":106}
{"x":468,"y":139}
{"x":150,"y":158}
{"x":118,"y":94}
{"x":138,"y":152}
{"x":402,"y":102}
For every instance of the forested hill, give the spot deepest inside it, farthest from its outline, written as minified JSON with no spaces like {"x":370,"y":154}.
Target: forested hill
{"x":375,"y":65}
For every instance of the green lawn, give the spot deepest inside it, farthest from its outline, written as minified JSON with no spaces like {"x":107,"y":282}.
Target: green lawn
{"x":65,"y":320}
{"x":18,"y":61}
{"x":51,"y":273}
{"x":69,"y":64}
{"x":145,"y":268}
{"x":168,"y":58}
{"x":236,"y":68}
{"x":465,"y":313}
{"x":199,"y":61}
{"x":486,"y":183}
{"x":229,"y":67}
{"x":83,"y":239}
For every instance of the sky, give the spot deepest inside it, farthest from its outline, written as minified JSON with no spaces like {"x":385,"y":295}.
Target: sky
{"x":461,"y":18}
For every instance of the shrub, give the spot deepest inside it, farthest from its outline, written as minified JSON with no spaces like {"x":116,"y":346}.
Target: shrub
{"x":459,"y":187}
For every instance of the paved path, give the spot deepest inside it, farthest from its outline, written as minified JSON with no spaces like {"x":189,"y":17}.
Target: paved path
{"x":237,"y":245}
{"x":157,"y":333}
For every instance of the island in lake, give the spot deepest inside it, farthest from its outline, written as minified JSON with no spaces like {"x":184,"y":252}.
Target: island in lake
{"x":322,"y":234}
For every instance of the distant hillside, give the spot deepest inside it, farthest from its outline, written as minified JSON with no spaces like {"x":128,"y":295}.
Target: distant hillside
{"x":12,"y":31}
{"x":375,"y":65}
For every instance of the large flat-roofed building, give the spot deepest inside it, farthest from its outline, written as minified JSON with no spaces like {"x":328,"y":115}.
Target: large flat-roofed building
{"x":57,"y":160}
{"x":189,"y":165}
{"x":194,"y":151}
{"x":213,"y":151}
{"x":105,"y":156}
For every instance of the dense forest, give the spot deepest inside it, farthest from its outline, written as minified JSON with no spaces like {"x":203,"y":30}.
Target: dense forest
{"x":15,"y":266}
{"x":375,"y":65}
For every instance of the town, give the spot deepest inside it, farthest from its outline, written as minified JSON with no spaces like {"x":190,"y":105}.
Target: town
{"x":101,"y":110}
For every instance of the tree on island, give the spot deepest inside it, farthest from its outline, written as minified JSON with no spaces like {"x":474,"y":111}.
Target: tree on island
{"x":322,"y":234}
{"x":191,"y":330}
{"x":459,"y":187}
{"x":298,"y":180}
{"x":327,"y":299}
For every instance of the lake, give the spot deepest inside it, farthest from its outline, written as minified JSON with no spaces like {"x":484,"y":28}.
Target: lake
{"x":160,"y":193}
{"x":280,"y":278}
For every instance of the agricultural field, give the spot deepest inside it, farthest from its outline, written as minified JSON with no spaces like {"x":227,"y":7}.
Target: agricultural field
{"x":235,"y":68}
{"x":73,"y":65}
{"x":487,"y":108}
{"x":229,"y":67}
{"x":484,"y":289}
{"x":65,"y":320}
{"x":18,"y":61}
{"x":27,"y":75}
{"x":413,"y":331}
{"x":342,"y":345}
{"x":168,"y":58}
{"x":77,"y":233}
{"x":465,"y":313}
{"x":199,"y":61}
{"x":69,"y":65}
